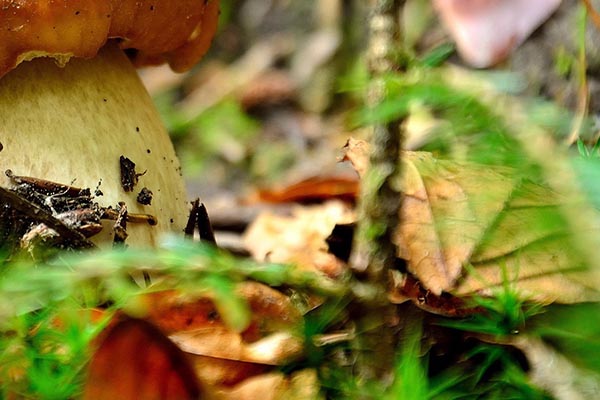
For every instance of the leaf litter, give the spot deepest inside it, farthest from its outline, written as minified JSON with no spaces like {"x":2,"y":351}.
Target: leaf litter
{"x":457,"y":215}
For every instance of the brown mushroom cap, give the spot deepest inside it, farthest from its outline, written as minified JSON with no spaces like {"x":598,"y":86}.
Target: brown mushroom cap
{"x":174,"y":31}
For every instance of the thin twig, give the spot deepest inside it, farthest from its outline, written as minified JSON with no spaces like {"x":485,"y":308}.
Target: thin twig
{"x":583,"y":93}
{"x":374,"y":253}
{"x":380,"y":199}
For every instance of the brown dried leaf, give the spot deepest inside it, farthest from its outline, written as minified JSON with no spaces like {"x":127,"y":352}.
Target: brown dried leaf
{"x":456,"y":215}
{"x":175,"y":312}
{"x":299,"y":386}
{"x":313,"y":189}
{"x":222,"y":356}
{"x":300,"y":237}
{"x":135,"y":360}
{"x":275,"y":349}
{"x":219,"y":372}
{"x":447,"y":209}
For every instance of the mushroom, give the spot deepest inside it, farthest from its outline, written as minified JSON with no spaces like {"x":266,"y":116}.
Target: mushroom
{"x":486,"y":31}
{"x":72,"y":105}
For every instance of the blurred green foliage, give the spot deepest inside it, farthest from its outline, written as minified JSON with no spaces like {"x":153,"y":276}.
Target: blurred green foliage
{"x":46,"y":324}
{"x":574,"y":330}
{"x":223,"y":132}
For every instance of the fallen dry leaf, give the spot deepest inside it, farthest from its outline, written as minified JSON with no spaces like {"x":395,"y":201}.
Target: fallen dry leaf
{"x":446,"y":211}
{"x":313,"y":189}
{"x":136,"y":361}
{"x":135,"y":352}
{"x":175,"y":312}
{"x":275,"y":349}
{"x":300,"y":385}
{"x":219,"y":373}
{"x":556,"y":374}
{"x":220,"y":355}
{"x":463,"y":214}
{"x":300,"y":237}
{"x":264,"y":387}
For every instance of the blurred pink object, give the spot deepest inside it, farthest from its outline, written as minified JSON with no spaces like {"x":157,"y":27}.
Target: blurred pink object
{"x":486,"y":31}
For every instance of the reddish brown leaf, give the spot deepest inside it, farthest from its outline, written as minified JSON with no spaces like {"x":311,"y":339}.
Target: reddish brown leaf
{"x":222,"y":356}
{"x":175,"y":312}
{"x":313,"y":189}
{"x":136,"y":361}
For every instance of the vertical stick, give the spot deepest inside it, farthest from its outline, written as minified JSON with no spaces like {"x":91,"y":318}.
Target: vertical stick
{"x":380,"y":200}
{"x":375,"y":252}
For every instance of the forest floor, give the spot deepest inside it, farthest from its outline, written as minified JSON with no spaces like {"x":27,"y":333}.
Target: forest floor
{"x":495,"y":290}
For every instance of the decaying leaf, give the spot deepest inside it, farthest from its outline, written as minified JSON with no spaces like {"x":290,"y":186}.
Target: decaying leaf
{"x":466,"y":228}
{"x":270,"y":310}
{"x":313,"y":189}
{"x":221,"y":354}
{"x":136,"y":361}
{"x":300,"y":385}
{"x":446,"y":211}
{"x":217,"y":373}
{"x":274,"y":349}
{"x":300,"y":237}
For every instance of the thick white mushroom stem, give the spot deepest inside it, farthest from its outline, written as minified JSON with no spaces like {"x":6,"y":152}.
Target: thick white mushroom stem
{"x":71,"y":124}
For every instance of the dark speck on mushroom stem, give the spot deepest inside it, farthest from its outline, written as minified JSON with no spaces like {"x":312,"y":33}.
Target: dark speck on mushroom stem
{"x":129,"y":177}
{"x":137,"y":128}
{"x":145,"y":196}
{"x":2,"y":147}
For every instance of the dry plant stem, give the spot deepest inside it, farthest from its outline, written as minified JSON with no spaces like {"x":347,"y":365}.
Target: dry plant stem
{"x":375,"y":252}
{"x":380,"y":199}
{"x":592,"y":12}
{"x":555,"y":373}
{"x":583,"y":92}
{"x":70,"y":125}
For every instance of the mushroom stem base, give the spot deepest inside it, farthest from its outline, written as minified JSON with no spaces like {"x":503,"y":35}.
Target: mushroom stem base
{"x":71,"y":125}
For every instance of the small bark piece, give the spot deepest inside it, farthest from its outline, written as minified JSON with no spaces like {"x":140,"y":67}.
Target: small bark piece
{"x":193,"y":217}
{"x":145,"y":196}
{"x":120,"y":226}
{"x":204,"y":227}
{"x":199,"y":219}
{"x":129,"y":178}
